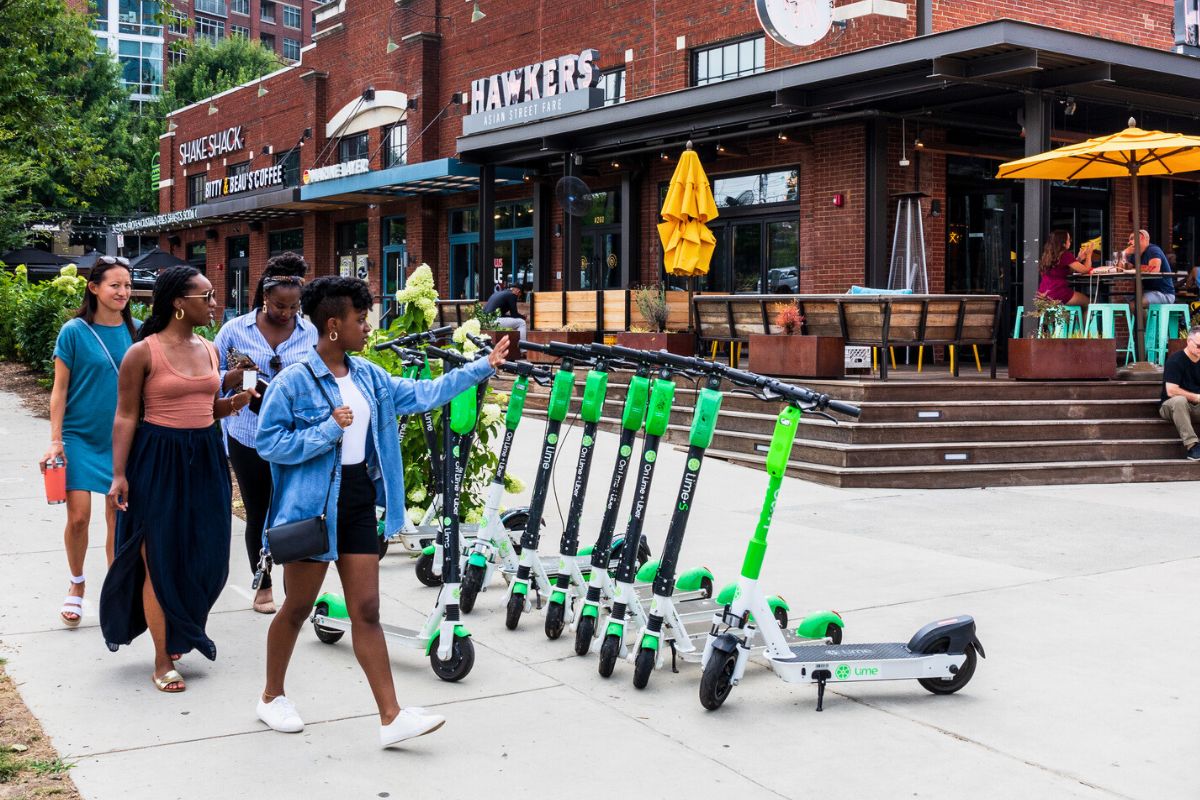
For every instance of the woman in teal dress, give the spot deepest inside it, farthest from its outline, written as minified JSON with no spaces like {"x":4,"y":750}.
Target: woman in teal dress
{"x":87,"y":358}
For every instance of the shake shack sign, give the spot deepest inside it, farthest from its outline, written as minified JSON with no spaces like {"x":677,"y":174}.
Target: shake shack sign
{"x":215,"y":144}
{"x":535,"y":92}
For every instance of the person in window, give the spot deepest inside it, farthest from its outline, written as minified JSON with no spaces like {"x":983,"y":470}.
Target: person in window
{"x":335,"y":415}
{"x":504,"y":302}
{"x":1057,"y":265}
{"x":1153,"y":260}
{"x":87,"y":360}
{"x":170,"y":481}
{"x":272,"y":336}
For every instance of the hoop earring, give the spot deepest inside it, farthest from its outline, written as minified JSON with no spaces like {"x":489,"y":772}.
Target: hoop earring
{"x":333,"y":336}
{"x":179,"y":313}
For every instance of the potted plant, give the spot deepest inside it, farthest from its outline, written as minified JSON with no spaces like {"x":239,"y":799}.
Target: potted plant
{"x":794,"y":354}
{"x":487,"y":326}
{"x":652,"y":333}
{"x":1051,"y":354}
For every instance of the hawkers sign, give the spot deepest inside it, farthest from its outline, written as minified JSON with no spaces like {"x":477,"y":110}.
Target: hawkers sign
{"x":343,"y":170}
{"x":161,"y":220}
{"x":535,"y":92}
{"x":258,"y":179}
{"x":215,"y":144}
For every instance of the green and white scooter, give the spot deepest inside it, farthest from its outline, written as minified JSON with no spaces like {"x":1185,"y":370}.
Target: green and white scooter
{"x":941,"y":656}
{"x":443,"y":638}
{"x":494,"y":548}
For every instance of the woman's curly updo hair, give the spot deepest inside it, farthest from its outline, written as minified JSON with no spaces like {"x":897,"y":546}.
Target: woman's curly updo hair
{"x":329,"y":297}
{"x":286,"y":263}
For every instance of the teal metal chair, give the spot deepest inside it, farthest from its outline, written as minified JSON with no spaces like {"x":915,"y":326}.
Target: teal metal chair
{"x":1163,"y":323}
{"x":1063,"y":330}
{"x":1102,"y":322}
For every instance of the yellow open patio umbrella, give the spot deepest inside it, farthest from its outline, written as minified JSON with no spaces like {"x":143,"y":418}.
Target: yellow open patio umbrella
{"x":687,"y":242}
{"x":1128,"y":153}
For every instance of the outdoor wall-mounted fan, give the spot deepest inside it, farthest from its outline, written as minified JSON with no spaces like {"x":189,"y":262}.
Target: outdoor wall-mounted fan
{"x":573,"y":195}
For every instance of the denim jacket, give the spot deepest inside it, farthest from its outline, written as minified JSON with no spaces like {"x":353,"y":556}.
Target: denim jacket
{"x":298,"y":435}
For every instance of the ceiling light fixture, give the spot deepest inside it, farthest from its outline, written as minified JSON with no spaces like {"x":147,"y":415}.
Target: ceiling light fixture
{"x":663,"y":155}
{"x":781,"y":136}
{"x":476,"y":14}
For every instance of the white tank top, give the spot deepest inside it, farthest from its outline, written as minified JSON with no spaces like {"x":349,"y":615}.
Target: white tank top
{"x":354,"y":438}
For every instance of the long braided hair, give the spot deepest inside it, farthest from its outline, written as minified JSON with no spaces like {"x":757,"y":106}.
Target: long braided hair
{"x":87,"y":309}
{"x":170,"y":284}
{"x":286,"y":263}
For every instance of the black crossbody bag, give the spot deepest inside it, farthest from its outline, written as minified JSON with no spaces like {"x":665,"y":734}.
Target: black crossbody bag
{"x":306,"y":538}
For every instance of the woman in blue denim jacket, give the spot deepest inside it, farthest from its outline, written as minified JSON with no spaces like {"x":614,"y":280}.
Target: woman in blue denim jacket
{"x":303,"y":438}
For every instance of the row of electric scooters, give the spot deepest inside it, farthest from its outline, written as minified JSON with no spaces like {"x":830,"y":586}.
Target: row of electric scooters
{"x":619,"y":603}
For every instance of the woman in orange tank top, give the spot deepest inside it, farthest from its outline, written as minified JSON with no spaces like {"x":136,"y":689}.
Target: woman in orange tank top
{"x":170,"y":482}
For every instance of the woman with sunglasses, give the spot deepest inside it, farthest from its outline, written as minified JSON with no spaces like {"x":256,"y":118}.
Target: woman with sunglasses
{"x":87,"y":357}
{"x":170,"y":481}
{"x":267,"y":339}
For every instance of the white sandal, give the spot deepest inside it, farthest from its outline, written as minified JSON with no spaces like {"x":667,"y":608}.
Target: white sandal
{"x":72,"y":605}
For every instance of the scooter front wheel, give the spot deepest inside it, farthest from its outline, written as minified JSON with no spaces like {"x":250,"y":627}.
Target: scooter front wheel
{"x":555,"y":616}
{"x":326,"y":635}
{"x":960,"y":679}
{"x":643,"y":665}
{"x":425,"y":571}
{"x":516,"y":607}
{"x":584,"y":631}
{"x":458,"y":666}
{"x":717,"y":681}
{"x":609,"y":652}
{"x":472,"y":582}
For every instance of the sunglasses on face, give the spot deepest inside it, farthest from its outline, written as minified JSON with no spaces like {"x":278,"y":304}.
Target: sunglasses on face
{"x":109,"y":261}
{"x":208,"y":296}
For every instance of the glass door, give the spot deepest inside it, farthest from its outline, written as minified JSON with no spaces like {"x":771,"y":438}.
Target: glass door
{"x":395,"y":268}
{"x":600,"y":260}
{"x":463,"y":258}
{"x":747,"y":256}
{"x":237,"y":276}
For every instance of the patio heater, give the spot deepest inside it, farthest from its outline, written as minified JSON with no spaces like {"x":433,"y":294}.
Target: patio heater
{"x":907,"y":269}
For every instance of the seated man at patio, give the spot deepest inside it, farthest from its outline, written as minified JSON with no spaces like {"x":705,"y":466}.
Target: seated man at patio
{"x":1180,"y":400}
{"x":1154,"y":290}
{"x":504,"y":301}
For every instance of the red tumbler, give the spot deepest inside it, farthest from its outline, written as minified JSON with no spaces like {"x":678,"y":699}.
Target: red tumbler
{"x":55,"y":476}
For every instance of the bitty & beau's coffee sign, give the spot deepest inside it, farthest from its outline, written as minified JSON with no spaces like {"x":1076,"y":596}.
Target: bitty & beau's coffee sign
{"x":535,"y":92}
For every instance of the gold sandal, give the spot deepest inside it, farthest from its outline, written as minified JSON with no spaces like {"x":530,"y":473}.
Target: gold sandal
{"x":169,"y":677}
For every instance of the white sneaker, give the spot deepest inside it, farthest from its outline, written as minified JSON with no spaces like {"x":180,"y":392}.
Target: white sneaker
{"x":408,"y":724}
{"x":280,"y":715}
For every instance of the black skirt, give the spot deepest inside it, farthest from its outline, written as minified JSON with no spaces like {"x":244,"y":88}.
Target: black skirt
{"x":179,"y":507}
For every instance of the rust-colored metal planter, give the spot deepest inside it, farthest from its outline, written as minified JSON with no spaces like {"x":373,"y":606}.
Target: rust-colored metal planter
{"x":1062,"y":359}
{"x":566,"y":337}
{"x":798,"y":356}
{"x":505,"y":333}
{"x":680,"y":344}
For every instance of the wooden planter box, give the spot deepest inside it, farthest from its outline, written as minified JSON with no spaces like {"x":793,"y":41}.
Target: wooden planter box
{"x":506,"y":333}
{"x":798,"y":356}
{"x":566,"y":337}
{"x":1062,"y":359}
{"x":680,"y":344}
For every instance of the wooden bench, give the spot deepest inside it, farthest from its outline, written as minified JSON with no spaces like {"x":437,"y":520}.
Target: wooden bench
{"x":882,"y":321}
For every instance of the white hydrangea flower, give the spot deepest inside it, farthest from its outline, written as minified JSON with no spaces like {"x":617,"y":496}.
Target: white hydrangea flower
{"x":417,"y":494}
{"x":474,"y":517}
{"x":513,"y":484}
{"x":490,"y":414}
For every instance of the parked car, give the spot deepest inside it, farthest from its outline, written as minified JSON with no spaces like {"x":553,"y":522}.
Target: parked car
{"x":143,"y":279}
{"x":784,"y":280}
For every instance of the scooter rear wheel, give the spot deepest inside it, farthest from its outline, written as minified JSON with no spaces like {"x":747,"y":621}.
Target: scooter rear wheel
{"x":609,"y":652}
{"x":960,"y":679}
{"x":584,"y":632}
{"x":833,"y":633}
{"x":555,"y":616}
{"x":472,"y":582}
{"x":643,"y":665}
{"x":458,"y":666}
{"x":512,"y":615}
{"x":425,"y":571}
{"x":717,"y":681}
{"x":326,"y":635}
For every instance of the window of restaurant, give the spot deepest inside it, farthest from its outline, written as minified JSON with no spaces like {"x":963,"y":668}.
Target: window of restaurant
{"x":600,"y":242}
{"x":613,"y":84}
{"x":195,"y":188}
{"x":395,"y":266}
{"x":353,"y":147}
{"x":197,"y":255}
{"x":291,"y":166}
{"x":729,"y":60}
{"x":291,"y":240}
{"x":397,"y":145}
{"x":350,"y":241}
{"x":512,"y":258}
{"x":983,"y":225}
{"x":757,"y":233}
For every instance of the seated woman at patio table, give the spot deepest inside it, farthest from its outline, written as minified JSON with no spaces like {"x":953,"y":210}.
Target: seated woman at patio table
{"x":1056,"y":266}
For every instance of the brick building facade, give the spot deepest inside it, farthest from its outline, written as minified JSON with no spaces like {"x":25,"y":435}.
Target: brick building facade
{"x":805,"y":145}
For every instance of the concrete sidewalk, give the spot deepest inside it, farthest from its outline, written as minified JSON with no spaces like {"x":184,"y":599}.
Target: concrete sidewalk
{"x":1085,"y":598}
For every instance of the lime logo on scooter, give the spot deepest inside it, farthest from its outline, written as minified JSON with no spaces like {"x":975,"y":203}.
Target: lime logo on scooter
{"x":552,"y":438}
{"x":626,"y":451}
{"x":842,"y":672}
{"x":446,"y":521}
{"x":455,"y":451}
{"x":693,"y":464}
{"x":650,"y":456}
{"x":587,"y":441}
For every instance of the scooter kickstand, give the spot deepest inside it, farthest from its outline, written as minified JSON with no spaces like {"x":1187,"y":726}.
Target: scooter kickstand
{"x":673,"y":654}
{"x":821,"y":675}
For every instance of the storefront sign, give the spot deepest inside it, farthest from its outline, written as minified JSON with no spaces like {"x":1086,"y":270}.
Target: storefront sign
{"x":248,"y":181}
{"x":215,"y":144}
{"x":534,"y":92}
{"x":357,"y":167}
{"x":161,"y":220}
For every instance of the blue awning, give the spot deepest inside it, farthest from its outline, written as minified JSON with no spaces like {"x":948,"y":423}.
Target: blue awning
{"x":441,"y":176}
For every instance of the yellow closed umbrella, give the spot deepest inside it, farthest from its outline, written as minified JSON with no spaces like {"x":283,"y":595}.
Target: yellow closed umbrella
{"x":1128,"y":153}
{"x":687,"y":242}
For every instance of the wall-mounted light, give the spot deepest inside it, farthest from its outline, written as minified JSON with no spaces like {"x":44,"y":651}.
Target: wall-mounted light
{"x":172,"y":125}
{"x":615,"y":164}
{"x":212,"y":109}
{"x":935,"y":207}
{"x":392,"y":46}
{"x":781,"y":136}
{"x":557,"y":230}
{"x":918,"y":144}
{"x":411,"y":104}
{"x":368,"y":94}
{"x":663,"y":156}
{"x":476,"y":14}
{"x":459,"y":98}
{"x":262,"y":90}
{"x":720,"y":148}
{"x":525,"y":176}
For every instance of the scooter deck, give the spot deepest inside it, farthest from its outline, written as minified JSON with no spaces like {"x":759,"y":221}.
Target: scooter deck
{"x":864,"y":662}
{"x":425,"y":535}
{"x":337,"y":623}
{"x":887,"y":651}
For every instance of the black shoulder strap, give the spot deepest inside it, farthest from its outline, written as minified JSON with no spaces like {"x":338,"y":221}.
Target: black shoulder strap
{"x":338,"y":450}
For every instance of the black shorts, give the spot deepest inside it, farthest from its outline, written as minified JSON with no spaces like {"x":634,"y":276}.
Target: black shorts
{"x":357,"y":528}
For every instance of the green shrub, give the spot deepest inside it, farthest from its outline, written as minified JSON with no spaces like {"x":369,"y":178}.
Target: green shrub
{"x":44,"y":309}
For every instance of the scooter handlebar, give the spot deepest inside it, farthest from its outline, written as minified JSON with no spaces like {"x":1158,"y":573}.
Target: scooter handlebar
{"x":416,"y":338}
{"x":534,"y":346}
{"x":448,"y":355}
{"x":576,"y":352}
